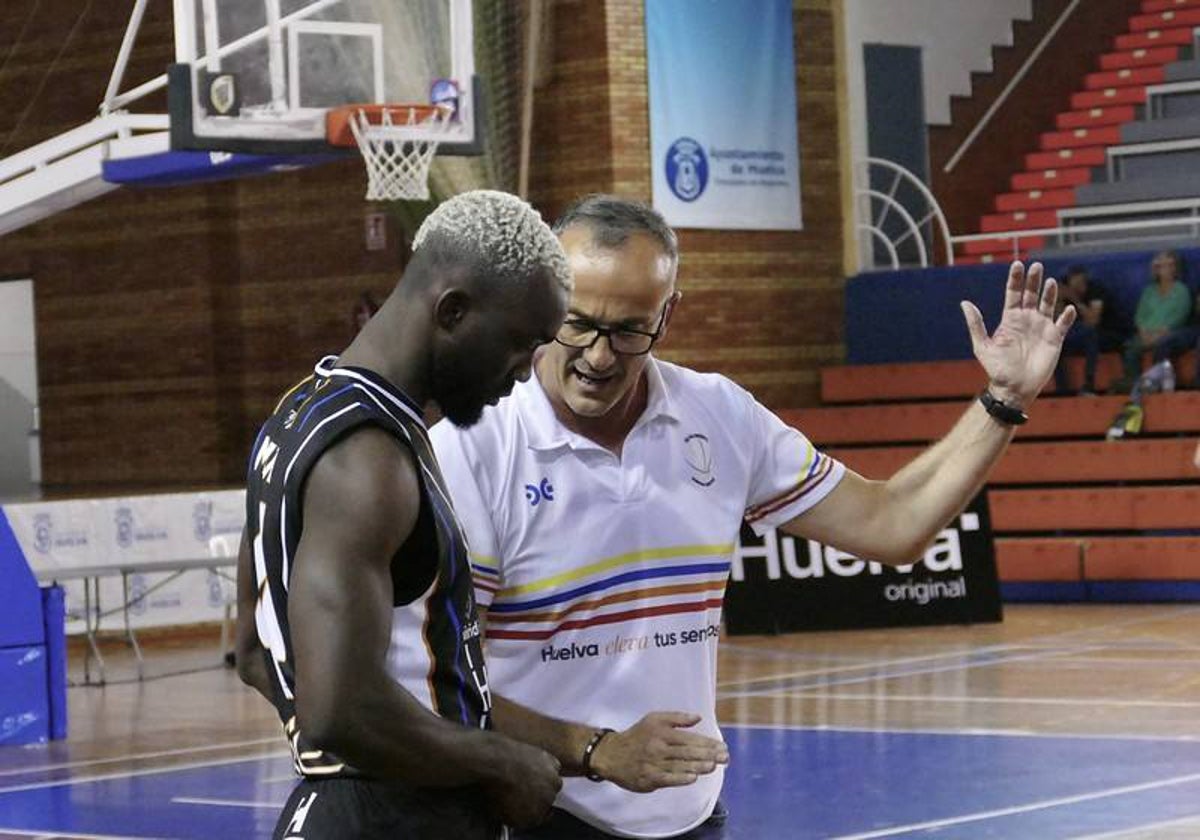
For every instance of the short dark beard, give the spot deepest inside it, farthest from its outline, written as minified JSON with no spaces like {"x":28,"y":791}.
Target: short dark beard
{"x":452,"y":391}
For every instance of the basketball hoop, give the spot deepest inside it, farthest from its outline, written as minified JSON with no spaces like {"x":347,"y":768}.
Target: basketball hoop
{"x":397,"y":142}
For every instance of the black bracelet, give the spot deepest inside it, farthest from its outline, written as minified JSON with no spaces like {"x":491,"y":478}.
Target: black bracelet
{"x":597,"y":737}
{"x":1003,"y":412}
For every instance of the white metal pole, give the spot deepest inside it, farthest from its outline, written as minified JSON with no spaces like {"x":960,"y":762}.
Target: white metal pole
{"x":275,"y":47}
{"x":185,"y":33}
{"x":212,"y":36}
{"x":118,"y":73}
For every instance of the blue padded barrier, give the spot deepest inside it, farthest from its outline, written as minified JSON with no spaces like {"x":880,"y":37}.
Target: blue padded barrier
{"x":914,"y":315}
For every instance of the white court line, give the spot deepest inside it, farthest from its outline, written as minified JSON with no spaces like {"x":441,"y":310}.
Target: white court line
{"x":884,"y":675}
{"x":877,"y":663}
{"x":1017,"y":701}
{"x":1126,"y":832}
{"x":227,"y":803}
{"x":274,"y":780}
{"x":1097,"y":645}
{"x":972,"y":732}
{"x":69,"y":765}
{"x":41,"y":834}
{"x":148,"y":771}
{"x":1022,"y":809}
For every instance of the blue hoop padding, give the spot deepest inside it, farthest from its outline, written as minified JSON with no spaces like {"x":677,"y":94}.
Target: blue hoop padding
{"x":171,"y":168}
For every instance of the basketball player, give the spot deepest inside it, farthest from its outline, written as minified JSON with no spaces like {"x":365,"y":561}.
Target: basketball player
{"x":357,"y":618}
{"x":603,"y":502}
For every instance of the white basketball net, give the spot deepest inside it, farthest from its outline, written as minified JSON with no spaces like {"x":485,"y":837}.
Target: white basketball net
{"x":399,"y":150}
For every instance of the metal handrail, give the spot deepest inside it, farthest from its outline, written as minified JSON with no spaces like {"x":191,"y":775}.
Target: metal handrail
{"x":934,"y":217}
{"x":1008,"y":89}
{"x":887,"y":243}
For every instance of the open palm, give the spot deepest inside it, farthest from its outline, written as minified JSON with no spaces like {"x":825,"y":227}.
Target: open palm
{"x":1021,"y":354}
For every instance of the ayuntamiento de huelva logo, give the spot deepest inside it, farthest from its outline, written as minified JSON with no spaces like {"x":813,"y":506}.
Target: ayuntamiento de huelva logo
{"x":687,"y":169}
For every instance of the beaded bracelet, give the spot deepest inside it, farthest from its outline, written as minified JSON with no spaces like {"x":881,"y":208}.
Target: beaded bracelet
{"x":597,"y":737}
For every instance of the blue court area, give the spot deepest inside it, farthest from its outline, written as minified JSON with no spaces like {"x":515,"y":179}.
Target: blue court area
{"x":783,"y":783}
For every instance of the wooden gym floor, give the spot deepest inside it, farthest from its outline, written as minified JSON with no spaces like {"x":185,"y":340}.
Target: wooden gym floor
{"x":1062,"y":722}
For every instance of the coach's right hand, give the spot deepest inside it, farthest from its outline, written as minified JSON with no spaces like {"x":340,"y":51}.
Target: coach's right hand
{"x":657,"y":752}
{"x":523,"y":784}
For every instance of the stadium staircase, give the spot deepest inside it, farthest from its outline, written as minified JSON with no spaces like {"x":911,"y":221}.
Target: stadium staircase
{"x":1127,"y":150}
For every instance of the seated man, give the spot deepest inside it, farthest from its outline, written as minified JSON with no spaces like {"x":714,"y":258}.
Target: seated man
{"x":1161,"y":320}
{"x":1098,"y":328}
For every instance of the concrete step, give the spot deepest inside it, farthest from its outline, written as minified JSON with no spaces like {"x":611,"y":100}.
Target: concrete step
{"x":1155,"y":57}
{"x":1096,"y":117}
{"x":1180,"y":71}
{"x":1127,"y":77}
{"x":1179,"y":184}
{"x":1044,"y":179}
{"x":1185,"y":16}
{"x":1175,"y":36}
{"x":1154,"y":131}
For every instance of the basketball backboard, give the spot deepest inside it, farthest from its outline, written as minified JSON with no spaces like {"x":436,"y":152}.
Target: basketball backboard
{"x":259,"y":76}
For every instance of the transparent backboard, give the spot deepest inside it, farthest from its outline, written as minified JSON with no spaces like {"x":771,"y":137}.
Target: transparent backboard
{"x":260,"y":75}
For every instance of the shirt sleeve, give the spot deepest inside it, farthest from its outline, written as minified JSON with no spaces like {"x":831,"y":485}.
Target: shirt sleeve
{"x":1180,"y":307}
{"x":788,"y":474}
{"x":459,"y":471}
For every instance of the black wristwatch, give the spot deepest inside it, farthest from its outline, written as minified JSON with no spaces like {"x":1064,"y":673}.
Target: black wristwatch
{"x":1003,"y":412}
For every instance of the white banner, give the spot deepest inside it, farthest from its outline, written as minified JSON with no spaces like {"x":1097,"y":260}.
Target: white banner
{"x":73,"y":535}
{"x":723,"y":136}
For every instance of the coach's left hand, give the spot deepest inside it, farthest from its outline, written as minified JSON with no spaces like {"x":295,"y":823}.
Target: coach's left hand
{"x":657,"y":752}
{"x":1021,"y":354}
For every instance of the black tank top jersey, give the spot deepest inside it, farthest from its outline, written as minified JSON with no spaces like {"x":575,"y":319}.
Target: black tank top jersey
{"x":435,"y":651}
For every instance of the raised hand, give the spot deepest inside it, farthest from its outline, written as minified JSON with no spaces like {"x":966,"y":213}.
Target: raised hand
{"x":656,"y":752}
{"x":1021,"y":354}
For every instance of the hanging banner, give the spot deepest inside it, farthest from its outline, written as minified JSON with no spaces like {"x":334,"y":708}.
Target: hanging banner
{"x":722,"y":80}
{"x":781,"y":584}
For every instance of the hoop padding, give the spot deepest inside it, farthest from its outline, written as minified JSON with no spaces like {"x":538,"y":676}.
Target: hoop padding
{"x":397,"y":142}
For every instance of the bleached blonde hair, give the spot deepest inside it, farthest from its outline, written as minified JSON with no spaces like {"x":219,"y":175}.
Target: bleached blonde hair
{"x":500,"y":231}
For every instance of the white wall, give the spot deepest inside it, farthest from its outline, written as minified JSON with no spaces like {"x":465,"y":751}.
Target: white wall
{"x":18,"y":388}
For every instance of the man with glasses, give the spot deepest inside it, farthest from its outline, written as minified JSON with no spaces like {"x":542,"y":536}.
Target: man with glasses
{"x":602,"y":503}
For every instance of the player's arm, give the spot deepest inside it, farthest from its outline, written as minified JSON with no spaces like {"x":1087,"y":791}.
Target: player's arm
{"x":360,"y":504}
{"x":656,"y":752}
{"x":248,"y":649}
{"x":893,"y":521}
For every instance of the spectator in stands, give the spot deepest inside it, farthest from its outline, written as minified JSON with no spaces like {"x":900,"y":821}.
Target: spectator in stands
{"x":1162,"y":318}
{"x":1098,"y":328}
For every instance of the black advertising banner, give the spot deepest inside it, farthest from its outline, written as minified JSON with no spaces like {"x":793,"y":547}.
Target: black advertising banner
{"x":783,"y":584}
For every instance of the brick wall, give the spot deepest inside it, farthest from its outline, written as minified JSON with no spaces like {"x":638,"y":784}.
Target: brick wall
{"x":168,"y":320}
{"x":762,"y":307}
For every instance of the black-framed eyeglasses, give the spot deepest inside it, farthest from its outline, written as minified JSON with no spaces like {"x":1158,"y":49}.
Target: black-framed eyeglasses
{"x":581,"y":334}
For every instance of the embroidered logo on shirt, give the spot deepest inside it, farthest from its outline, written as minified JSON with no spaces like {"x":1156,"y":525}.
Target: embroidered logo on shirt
{"x":536,"y":493}
{"x":697,"y":451}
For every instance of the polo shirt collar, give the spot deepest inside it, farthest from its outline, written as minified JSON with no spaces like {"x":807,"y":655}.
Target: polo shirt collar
{"x":545,"y":431}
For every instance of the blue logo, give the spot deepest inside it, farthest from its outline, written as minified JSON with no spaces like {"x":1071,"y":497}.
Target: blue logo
{"x":216,"y":590}
{"x":202,"y":521}
{"x":535,"y":493}
{"x":445,"y":92}
{"x":124,"y":518}
{"x":43,"y":532}
{"x":687,"y":169}
{"x":137,"y":594}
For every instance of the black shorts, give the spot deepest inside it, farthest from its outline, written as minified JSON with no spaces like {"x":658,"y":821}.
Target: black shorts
{"x":363,"y":809}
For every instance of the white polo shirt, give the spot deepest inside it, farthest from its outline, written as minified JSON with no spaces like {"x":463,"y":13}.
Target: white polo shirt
{"x":602,"y":578}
